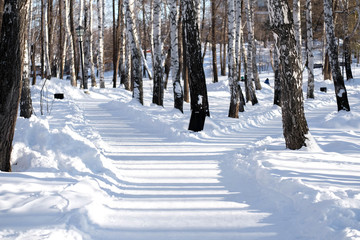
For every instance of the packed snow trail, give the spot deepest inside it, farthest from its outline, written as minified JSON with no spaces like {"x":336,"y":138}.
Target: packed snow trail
{"x":172,"y":190}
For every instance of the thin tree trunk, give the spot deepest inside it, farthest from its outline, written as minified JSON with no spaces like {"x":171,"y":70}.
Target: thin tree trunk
{"x":158,"y":83}
{"x":100,"y":5}
{"x":250,"y":73}
{"x":1,"y":12}
{"x":297,"y":25}
{"x":185,"y":72}
{"x":340,"y":89}
{"x":25,"y":101}
{"x":73,"y":38}
{"x":46,"y":45}
{"x":11,"y":57}
{"x":309,"y":48}
{"x":175,"y":70}
{"x":62,"y":41}
{"x":213,"y":41}
{"x":277,"y":77}
{"x":71,"y":47}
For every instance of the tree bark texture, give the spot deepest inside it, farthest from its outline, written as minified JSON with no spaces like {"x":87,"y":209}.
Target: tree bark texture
{"x":175,"y":69}
{"x":213,"y":41}
{"x":197,"y":81}
{"x":295,"y":127}
{"x":309,"y":50}
{"x":340,"y":89}
{"x":11,"y":57}
{"x":100,"y":5}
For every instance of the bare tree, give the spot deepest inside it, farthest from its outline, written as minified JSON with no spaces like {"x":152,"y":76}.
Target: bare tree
{"x":11,"y":59}
{"x":69,"y":40}
{"x":100,"y":5}
{"x":213,"y":40}
{"x":295,"y":127}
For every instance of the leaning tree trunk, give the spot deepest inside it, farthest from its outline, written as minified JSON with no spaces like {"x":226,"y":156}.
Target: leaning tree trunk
{"x":158,"y":87}
{"x":340,"y":90}
{"x":11,"y":57}
{"x":25,"y":100}
{"x":197,"y":81}
{"x":175,"y":70}
{"x":309,"y":50}
{"x":295,"y":126}
{"x":135,"y":51}
{"x":249,"y":78}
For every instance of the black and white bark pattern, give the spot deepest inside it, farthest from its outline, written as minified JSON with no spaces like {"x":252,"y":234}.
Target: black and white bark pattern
{"x":332,"y":48}
{"x":136,"y":59}
{"x":11,"y":57}
{"x":175,"y":68}
{"x":251,"y":96}
{"x":197,"y":81}
{"x":69,"y":40}
{"x":101,"y":26}
{"x":25,"y":101}
{"x":295,"y":127}
{"x":297,"y":25}
{"x":309,"y":50}
{"x":158,"y":87}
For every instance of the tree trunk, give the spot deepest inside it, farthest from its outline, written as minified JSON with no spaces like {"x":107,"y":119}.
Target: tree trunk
{"x":309,"y":50}
{"x":46,"y":44}
{"x":254,"y":63}
{"x":11,"y":57}
{"x":90,"y":42}
{"x":197,"y":81}
{"x":277,"y":80}
{"x":115,"y":44}
{"x":71,"y":47}
{"x":340,"y":90}
{"x":297,"y":25}
{"x":100,"y":5}
{"x":25,"y":101}
{"x":175,"y":70}
{"x":135,"y":51}
{"x":1,"y":12}
{"x":185,"y":72}
{"x":158,"y":86}
{"x":62,"y":42}
{"x":213,"y":41}
{"x":250,"y":73}
{"x":295,"y":126}
{"x":225,"y":29}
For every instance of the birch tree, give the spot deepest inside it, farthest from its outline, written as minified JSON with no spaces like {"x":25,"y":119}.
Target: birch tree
{"x":295,"y":128}
{"x":25,"y":101}
{"x":232,"y":67}
{"x":309,"y":50}
{"x":11,"y":57}
{"x":100,"y":5}
{"x":135,"y":51}
{"x":175,"y":68}
{"x":158,"y":86}
{"x":332,"y":48}
{"x":250,"y":73}
{"x":197,"y":81}
{"x":69,"y":40}
{"x":297,"y":25}
{"x":89,"y":43}
{"x":213,"y":41}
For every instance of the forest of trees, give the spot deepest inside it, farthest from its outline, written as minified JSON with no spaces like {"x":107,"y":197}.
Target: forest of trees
{"x":39,"y":38}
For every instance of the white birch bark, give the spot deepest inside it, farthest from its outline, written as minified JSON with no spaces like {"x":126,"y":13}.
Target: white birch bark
{"x":297,"y":25}
{"x":100,"y":5}
{"x":309,"y":50}
{"x":175,"y":68}
{"x":238,"y":34}
{"x":135,"y":51}
{"x":250,"y":74}
{"x":46,"y":42}
{"x":254,"y":63}
{"x":69,"y":40}
{"x":158,"y":86}
{"x":90,"y":42}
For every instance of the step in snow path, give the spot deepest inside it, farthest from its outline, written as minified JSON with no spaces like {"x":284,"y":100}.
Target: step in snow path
{"x":171,"y":190}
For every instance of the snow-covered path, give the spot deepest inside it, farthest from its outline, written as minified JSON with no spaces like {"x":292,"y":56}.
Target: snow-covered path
{"x":171,"y":189}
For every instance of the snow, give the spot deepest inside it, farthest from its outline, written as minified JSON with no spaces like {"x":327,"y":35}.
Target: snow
{"x":102,"y":166}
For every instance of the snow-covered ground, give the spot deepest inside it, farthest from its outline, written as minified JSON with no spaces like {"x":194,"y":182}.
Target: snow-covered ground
{"x":101,"y":166}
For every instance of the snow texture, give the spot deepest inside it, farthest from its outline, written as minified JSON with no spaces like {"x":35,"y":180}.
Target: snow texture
{"x":103,"y":166}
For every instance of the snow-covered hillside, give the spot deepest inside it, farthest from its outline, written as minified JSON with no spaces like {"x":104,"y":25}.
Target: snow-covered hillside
{"x":102,"y":166}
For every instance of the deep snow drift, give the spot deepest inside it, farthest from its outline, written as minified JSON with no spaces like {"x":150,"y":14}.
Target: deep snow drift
{"x":101,"y":166}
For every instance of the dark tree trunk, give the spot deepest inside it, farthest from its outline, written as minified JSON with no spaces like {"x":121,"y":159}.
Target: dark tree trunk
{"x":327,"y":68}
{"x":347,"y":56}
{"x":340,"y":90}
{"x":1,"y":12}
{"x":33,"y":63}
{"x":277,"y":80}
{"x":197,"y":81}
{"x":42,"y":53}
{"x":295,"y":127}
{"x":11,"y":56}
{"x":213,"y":41}
{"x":185,"y":72}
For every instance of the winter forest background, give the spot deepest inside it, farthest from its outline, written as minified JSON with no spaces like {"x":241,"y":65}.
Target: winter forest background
{"x":194,"y":119}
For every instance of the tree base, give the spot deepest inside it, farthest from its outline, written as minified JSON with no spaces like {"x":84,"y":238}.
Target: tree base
{"x":197,"y":121}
